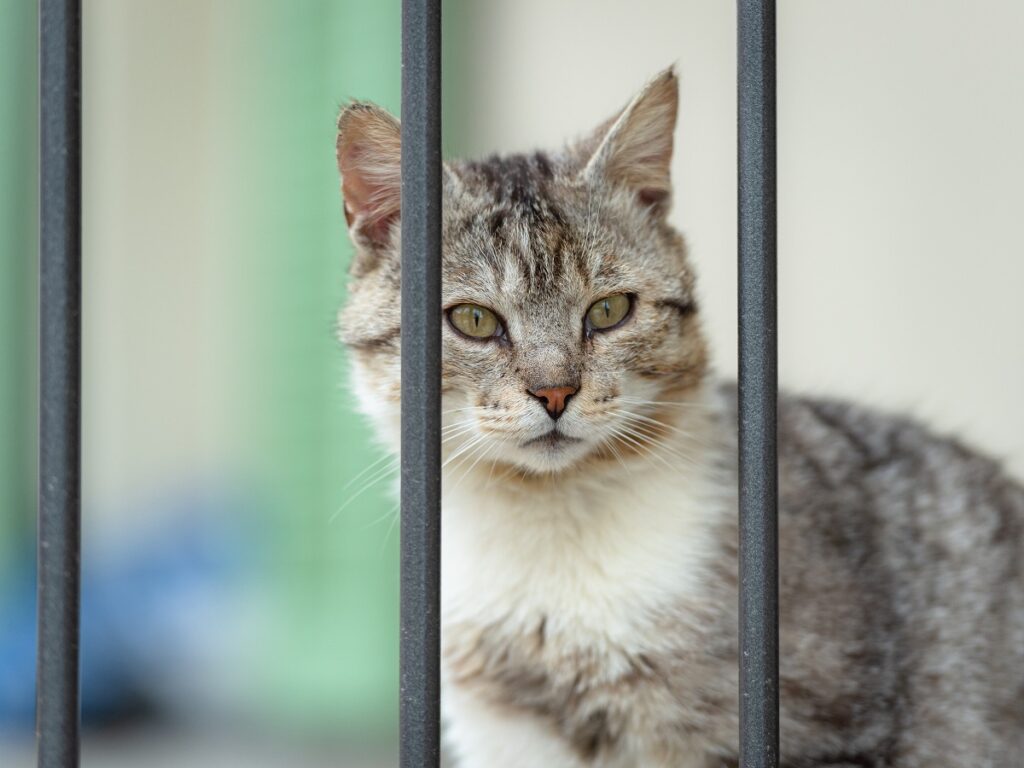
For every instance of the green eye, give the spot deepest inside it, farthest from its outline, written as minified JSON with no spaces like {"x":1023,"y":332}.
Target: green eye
{"x":608,"y":312}
{"x":475,"y":321}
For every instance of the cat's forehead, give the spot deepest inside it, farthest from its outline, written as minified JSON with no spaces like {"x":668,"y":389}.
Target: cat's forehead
{"x":521,"y":183}
{"x":525,"y":223}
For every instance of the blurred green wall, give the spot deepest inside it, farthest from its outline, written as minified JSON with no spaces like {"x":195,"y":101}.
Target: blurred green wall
{"x":18,"y":207}
{"x":330,"y":655}
{"x":215,"y":262}
{"x":336,"y":536}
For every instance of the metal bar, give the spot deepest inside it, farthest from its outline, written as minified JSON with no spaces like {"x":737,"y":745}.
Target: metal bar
{"x":60,"y":124}
{"x":421,"y":385}
{"x":758,"y":389}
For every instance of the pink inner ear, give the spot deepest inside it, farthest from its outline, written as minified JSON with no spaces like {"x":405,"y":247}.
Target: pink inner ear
{"x":371,"y":191}
{"x":379,"y":229}
{"x":357,"y":193}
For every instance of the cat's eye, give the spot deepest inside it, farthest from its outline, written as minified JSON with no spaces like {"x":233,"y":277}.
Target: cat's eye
{"x":608,"y":312}
{"x":475,"y":321}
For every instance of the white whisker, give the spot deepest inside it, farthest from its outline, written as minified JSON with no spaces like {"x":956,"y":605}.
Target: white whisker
{"x":668,"y":403}
{"x":462,"y":450}
{"x":375,"y":478}
{"x":396,"y":515}
{"x":370,"y":466}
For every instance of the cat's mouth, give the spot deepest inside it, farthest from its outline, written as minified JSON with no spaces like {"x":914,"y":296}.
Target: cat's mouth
{"x":552,"y":439}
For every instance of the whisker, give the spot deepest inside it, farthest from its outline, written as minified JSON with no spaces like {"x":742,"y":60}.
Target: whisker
{"x":457,"y":430}
{"x":377,"y":477}
{"x":490,"y":475}
{"x":454,"y":435}
{"x":649,"y":431}
{"x":483,"y":453}
{"x":645,"y":453}
{"x":461,"y":410}
{"x":366,"y":469}
{"x":639,"y":418}
{"x":669,"y":403}
{"x":395,"y":517}
{"x":457,"y":424}
{"x":638,"y":441}
{"x":462,"y":450}
{"x":606,"y":442}
{"x":656,"y":445}
{"x":378,"y":520}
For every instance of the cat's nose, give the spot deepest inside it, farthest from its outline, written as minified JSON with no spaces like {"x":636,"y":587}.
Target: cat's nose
{"x":554,"y":398}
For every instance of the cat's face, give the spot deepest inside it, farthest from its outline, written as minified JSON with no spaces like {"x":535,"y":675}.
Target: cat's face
{"x":569,"y":320}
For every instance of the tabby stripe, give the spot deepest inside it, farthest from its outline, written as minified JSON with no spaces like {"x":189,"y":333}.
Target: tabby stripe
{"x":372,"y":343}
{"x":682,"y":306}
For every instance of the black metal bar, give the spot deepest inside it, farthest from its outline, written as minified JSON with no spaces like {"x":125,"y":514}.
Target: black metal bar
{"x":57,"y":684}
{"x":758,"y":389}
{"x":421,"y":385}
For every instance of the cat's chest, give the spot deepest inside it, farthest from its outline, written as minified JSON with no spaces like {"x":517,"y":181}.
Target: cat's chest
{"x":581,"y":607}
{"x":597,"y":557}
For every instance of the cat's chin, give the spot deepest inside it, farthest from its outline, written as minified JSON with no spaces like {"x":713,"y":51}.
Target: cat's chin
{"x":550,"y":453}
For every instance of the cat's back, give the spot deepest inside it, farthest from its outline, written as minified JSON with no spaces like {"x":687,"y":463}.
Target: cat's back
{"x":900,"y":573}
{"x":877,"y":485}
{"x":855,"y":474}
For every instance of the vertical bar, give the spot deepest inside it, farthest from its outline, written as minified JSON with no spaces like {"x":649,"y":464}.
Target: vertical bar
{"x":758,"y":389}
{"x":60,"y":125}
{"x":421,"y":385}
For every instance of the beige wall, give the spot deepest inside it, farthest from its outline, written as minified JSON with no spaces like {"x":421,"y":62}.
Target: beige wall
{"x":156,"y":383}
{"x":900,"y":168}
{"x":901,"y":178}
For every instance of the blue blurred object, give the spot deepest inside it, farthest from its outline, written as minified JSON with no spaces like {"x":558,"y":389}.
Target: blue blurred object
{"x":18,"y":646}
{"x":148,"y":594}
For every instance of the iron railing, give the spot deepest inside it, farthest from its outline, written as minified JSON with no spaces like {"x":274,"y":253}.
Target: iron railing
{"x":758,"y":389}
{"x":420,"y":646}
{"x":60,"y":375}
{"x":60,"y":391}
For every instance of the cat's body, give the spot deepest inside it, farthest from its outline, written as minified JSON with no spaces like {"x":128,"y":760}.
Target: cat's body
{"x":569,"y":632}
{"x":589,"y":570}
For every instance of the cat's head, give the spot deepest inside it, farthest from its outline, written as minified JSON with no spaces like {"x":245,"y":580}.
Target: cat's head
{"x":570,"y":322}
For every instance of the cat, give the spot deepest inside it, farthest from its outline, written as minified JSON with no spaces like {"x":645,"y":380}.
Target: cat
{"x":589,"y":568}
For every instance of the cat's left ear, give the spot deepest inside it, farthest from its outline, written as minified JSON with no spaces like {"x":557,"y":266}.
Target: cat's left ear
{"x":634,"y":148}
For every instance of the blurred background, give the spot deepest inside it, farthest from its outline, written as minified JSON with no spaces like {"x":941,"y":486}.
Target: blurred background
{"x":240,"y":547}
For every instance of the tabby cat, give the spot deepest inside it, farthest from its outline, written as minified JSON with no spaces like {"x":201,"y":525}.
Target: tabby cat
{"x":589,"y":509}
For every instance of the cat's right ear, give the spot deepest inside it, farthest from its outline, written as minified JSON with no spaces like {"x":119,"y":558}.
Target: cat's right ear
{"x":369,"y":150}
{"x":634,"y":148}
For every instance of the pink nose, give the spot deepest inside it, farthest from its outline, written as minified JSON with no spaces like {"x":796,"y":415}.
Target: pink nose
{"x":554,"y":398}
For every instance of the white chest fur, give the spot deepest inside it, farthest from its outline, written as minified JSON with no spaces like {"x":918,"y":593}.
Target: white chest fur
{"x":587,"y":564}
{"x":593,"y":552}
